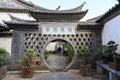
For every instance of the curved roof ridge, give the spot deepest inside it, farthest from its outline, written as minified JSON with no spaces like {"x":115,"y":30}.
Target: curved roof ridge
{"x":77,"y":9}
{"x":108,"y":15}
{"x":18,"y":19}
{"x":19,"y":22}
{"x":57,"y":16}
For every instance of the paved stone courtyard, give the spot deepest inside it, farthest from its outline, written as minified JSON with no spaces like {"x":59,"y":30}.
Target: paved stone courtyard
{"x":55,"y":76}
{"x":56,"y":61}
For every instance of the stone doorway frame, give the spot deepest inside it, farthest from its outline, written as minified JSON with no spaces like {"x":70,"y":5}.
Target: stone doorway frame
{"x":69,"y":65}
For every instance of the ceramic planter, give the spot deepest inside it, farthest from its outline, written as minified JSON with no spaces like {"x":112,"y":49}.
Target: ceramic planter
{"x":86,"y":70}
{"x":3,"y":72}
{"x":27,"y":72}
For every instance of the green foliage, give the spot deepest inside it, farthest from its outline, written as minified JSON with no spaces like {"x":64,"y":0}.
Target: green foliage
{"x":84,"y":53}
{"x":69,"y":52}
{"x":118,"y":64}
{"x":46,"y":54}
{"x":112,"y":47}
{"x":103,"y":51}
{"x":84,"y":50}
{"x":3,"y":57}
{"x":108,"y":51}
{"x":28,"y":56}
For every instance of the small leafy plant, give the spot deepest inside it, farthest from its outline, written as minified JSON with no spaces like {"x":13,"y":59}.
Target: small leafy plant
{"x":84,"y":52}
{"x":112,"y":47}
{"x":26,"y":60}
{"x":69,"y":52}
{"x":46,"y":54}
{"x":3,"y":57}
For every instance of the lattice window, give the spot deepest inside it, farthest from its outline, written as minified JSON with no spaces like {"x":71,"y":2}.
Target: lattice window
{"x":38,"y":41}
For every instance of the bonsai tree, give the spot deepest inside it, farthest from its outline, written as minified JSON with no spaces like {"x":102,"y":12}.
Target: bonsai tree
{"x":84,"y":52}
{"x":3,"y":63}
{"x":103,"y":53}
{"x":26,"y":62}
{"x":112,"y":47}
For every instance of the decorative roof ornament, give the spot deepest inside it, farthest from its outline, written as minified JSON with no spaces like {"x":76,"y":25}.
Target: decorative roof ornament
{"x":73,"y":15}
{"x":58,"y":7}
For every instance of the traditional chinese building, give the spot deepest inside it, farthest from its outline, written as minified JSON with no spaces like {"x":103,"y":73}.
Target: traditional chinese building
{"x":31,"y":26}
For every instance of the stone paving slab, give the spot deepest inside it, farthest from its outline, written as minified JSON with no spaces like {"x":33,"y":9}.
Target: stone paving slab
{"x":51,"y":76}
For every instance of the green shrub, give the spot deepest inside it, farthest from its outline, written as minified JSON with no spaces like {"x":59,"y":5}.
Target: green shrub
{"x":84,"y":52}
{"x":46,"y":54}
{"x":28,"y":56}
{"x":3,"y":57}
{"x":69,"y":52}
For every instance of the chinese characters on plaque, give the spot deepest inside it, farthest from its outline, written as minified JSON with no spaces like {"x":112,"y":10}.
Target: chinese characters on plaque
{"x":58,"y":29}
{"x":55,"y":29}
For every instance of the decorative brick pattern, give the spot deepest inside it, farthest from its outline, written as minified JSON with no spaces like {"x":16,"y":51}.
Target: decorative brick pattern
{"x":38,"y":41}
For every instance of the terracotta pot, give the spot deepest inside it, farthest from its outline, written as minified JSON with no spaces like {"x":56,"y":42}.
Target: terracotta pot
{"x":27,"y":72}
{"x":86,"y":70}
{"x":113,"y":66}
{"x":3,"y":72}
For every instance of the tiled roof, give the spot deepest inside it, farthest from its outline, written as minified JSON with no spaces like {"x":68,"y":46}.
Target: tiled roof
{"x":24,"y":5}
{"x":113,"y":12}
{"x":5,"y":34}
{"x":13,"y":18}
{"x":77,"y":9}
{"x":95,"y":18}
{"x":3,"y":28}
{"x":58,"y":16}
{"x":89,"y":25}
{"x":21,"y":25}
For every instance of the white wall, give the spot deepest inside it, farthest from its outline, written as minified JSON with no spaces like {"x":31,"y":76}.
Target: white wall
{"x":111,"y":31}
{"x":5,"y":16}
{"x":51,"y":46}
{"x":6,"y":43}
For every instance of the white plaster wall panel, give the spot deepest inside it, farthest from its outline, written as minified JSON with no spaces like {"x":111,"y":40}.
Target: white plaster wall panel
{"x":51,"y":46}
{"x":111,"y":31}
{"x":6,"y":43}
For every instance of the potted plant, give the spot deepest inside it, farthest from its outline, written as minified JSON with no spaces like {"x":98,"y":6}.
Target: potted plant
{"x":84,"y":53}
{"x":117,"y":58}
{"x":26,"y":63}
{"x":112,"y":47}
{"x":103,"y":55}
{"x":3,"y":63}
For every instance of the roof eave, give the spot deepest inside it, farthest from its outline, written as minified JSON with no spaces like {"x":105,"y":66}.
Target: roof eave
{"x":43,"y":16}
{"x":115,"y":11}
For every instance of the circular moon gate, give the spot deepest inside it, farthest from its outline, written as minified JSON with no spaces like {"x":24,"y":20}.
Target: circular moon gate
{"x":69,"y":65}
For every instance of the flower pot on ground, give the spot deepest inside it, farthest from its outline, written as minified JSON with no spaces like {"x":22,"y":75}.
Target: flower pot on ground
{"x":3,"y":63}
{"x":26,"y":63}
{"x":85,"y":68}
{"x":112,"y":47}
{"x":116,"y":65}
